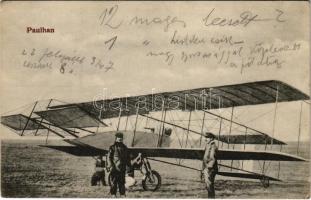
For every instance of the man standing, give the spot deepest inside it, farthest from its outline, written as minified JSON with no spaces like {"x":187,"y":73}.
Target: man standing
{"x":210,"y":167}
{"x":118,"y":161}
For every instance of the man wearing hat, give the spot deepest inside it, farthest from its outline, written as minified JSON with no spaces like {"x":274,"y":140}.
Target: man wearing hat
{"x":210,"y":167}
{"x":118,"y":161}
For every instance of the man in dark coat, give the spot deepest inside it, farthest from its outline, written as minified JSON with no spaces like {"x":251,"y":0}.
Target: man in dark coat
{"x":119,"y":160}
{"x":210,"y":167}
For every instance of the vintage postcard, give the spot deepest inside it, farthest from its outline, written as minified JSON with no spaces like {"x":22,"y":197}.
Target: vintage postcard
{"x":165,"y":99}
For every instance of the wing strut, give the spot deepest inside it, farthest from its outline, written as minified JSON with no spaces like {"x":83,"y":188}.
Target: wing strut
{"x":244,"y":145}
{"x":171,"y":124}
{"x":230,"y":129}
{"x":202,"y":128}
{"x":239,"y":124}
{"x":83,"y":129}
{"x":220,"y":127}
{"x":163,"y":116}
{"x":222,"y":143}
{"x":119,"y":118}
{"x":70,"y":132}
{"x":29,"y":118}
{"x":137,"y":109}
{"x":42,"y":118}
{"x":127,"y":119}
{"x":99,"y":117}
{"x":275,"y":112}
{"x":188,"y":127}
{"x":47,"y":136}
{"x":49,"y":129}
{"x":162,"y":131}
{"x":273,"y":125}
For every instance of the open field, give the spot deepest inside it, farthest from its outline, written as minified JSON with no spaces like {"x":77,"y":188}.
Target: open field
{"x":28,"y":170}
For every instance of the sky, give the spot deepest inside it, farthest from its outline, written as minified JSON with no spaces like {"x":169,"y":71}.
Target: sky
{"x":109,"y":34}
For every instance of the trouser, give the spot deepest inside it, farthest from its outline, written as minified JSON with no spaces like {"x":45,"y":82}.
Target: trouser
{"x":117,"y":181}
{"x":209,"y":178}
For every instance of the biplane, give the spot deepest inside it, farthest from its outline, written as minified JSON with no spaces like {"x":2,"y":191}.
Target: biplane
{"x":88,"y":128}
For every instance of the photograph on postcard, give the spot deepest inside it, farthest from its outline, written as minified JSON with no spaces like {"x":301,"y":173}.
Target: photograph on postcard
{"x":165,"y":99}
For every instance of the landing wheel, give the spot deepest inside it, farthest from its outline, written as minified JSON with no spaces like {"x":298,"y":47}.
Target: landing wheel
{"x":265,"y":182}
{"x":152,"y":181}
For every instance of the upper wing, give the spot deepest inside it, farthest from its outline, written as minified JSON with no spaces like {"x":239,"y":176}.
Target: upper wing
{"x":18,"y":122}
{"x":86,"y":114}
{"x":70,"y":117}
{"x":221,"y":154}
{"x":244,"y":94}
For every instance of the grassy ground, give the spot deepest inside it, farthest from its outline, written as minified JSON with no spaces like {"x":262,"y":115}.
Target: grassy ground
{"x":28,"y":170}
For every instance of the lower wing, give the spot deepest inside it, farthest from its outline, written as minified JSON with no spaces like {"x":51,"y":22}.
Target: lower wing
{"x":197,"y":154}
{"x":221,"y":154}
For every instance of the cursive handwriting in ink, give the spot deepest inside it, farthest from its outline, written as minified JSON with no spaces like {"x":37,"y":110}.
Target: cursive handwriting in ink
{"x":278,"y":17}
{"x":61,"y":56}
{"x":37,"y":65}
{"x":112,"y":40}
{"x":245,"y":18}
{"x":169,"y":56}
{"x":166,"y":21}
{"x":106,"y":18}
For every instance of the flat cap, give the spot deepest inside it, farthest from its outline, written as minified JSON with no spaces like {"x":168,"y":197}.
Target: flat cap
{"x":119,"y":135}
